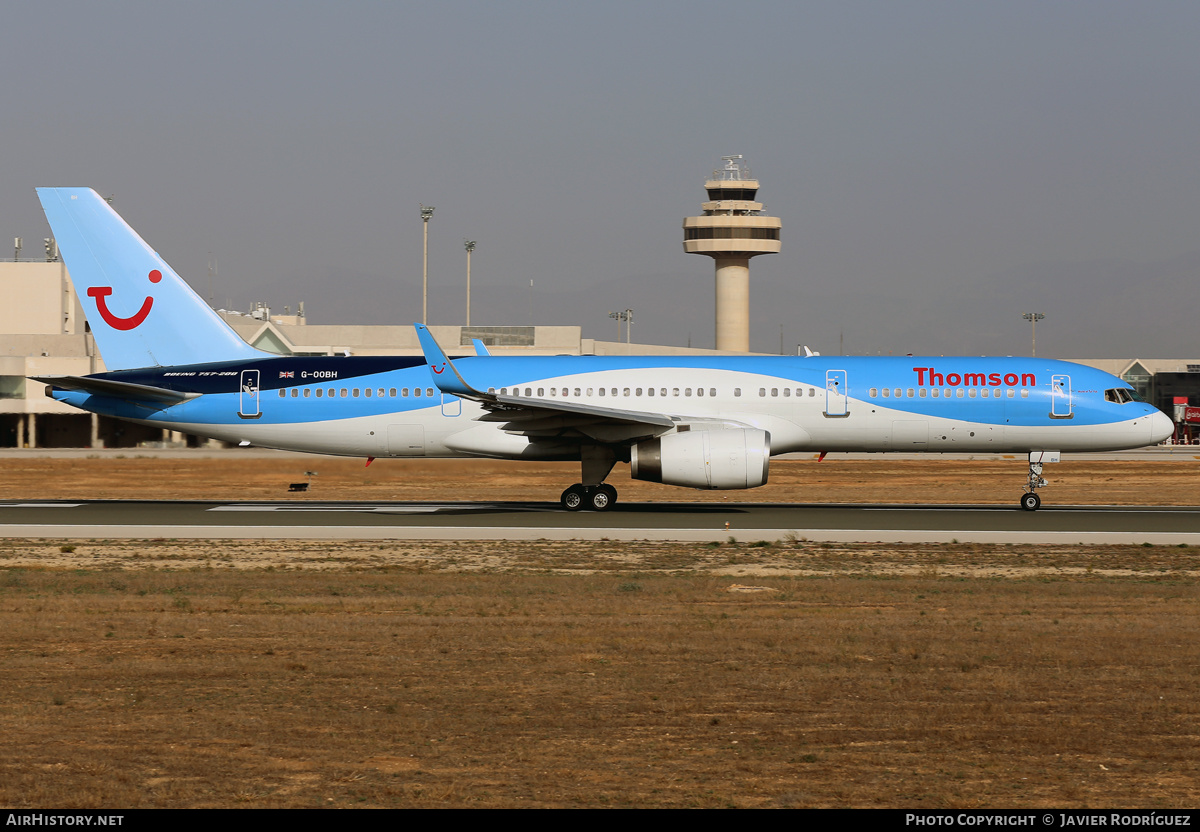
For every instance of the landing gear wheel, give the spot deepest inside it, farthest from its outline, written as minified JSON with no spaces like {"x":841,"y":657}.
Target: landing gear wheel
{"x":573,"y":498}
{"x":1030,"y":501}
{"x":602,"y":497}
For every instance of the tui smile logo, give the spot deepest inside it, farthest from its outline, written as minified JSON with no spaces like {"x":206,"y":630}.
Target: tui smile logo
{"x":100,"y":293}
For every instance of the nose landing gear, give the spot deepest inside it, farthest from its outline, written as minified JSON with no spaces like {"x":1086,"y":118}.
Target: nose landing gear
{"x":1030,"y":501}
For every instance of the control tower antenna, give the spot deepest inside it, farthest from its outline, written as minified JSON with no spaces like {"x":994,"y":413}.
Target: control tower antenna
{"x":731,"y":231}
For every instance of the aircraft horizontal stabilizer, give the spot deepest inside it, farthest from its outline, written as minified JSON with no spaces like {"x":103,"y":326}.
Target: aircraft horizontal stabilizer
{"x":116,"y":389}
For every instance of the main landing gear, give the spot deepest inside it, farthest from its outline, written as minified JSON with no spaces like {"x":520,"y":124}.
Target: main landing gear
{"x":593,"y":494}
{"x":600,"y":497}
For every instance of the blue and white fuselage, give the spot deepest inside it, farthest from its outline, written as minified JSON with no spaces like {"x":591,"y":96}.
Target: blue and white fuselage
{"x":351,"y":405}
{"x":711,"y":422}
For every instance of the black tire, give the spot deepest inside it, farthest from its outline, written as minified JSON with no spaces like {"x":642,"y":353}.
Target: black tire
{"x":574,"y":498}
{"x":1031,"y":501}
{"x":602,"y":498}
{"x":612,"y":494}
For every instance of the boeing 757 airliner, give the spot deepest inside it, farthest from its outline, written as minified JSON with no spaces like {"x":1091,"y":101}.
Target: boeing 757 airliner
{"x":712,"y":422}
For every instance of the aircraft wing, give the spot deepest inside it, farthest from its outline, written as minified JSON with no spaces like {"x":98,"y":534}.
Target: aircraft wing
{"x":545,"y":417}
{"x":116,"y":389}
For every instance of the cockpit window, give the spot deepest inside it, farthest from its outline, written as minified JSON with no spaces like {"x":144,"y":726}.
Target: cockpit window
{"x":1120,"y":395}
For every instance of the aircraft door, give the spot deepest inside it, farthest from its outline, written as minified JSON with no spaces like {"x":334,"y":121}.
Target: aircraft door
{"x":1060,"y":397}
{"x":248,"y":395}
{"x":836,"y":388}
{"x":451,"y":405}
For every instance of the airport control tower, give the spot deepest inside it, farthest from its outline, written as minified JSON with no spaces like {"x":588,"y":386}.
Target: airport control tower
{"x":731,"y":231}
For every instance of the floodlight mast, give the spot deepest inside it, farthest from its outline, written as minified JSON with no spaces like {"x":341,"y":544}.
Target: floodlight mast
{"x":469,"y":245}
{"x":426,"y":216}
{"x":1033,"y":318}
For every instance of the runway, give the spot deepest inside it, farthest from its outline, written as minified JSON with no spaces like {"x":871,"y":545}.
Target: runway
{"x":121,"y":519}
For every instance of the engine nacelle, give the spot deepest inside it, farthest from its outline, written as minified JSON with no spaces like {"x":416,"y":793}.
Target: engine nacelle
{"x":704,"y":459}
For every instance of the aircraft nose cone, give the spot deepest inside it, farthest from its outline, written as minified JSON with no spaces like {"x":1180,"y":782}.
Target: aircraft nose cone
{"x":1161,"y":427}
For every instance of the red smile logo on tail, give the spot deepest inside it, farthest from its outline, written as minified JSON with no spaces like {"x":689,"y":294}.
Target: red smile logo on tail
{"x":116,"y":322}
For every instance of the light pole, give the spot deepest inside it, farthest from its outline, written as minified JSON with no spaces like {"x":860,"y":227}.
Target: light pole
{"x":426,"y":215}
{"x":1033,"y":318}
{"x":627,"y":317}
{"x":469,"y":245}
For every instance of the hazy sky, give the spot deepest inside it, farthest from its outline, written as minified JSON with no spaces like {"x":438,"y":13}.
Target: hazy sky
{"x":939,"y":168}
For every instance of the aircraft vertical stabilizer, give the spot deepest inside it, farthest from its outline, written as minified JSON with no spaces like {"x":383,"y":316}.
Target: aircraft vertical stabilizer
{"x":142,"y":313}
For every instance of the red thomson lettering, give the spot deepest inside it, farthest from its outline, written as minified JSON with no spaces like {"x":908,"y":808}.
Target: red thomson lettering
{"x":931,"y":377}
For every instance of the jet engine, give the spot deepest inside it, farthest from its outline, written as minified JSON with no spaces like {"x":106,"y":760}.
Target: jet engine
{"x":710,"y":459}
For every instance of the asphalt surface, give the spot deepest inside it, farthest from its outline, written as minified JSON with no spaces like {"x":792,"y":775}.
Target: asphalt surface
{"x":627,"y":521}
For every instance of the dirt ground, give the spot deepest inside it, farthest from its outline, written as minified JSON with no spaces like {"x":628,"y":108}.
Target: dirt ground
{"x":936,"y":480}
{"x":773,"y":673}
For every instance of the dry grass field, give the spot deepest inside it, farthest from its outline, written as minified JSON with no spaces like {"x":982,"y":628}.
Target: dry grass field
{"x":752,"y":674}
